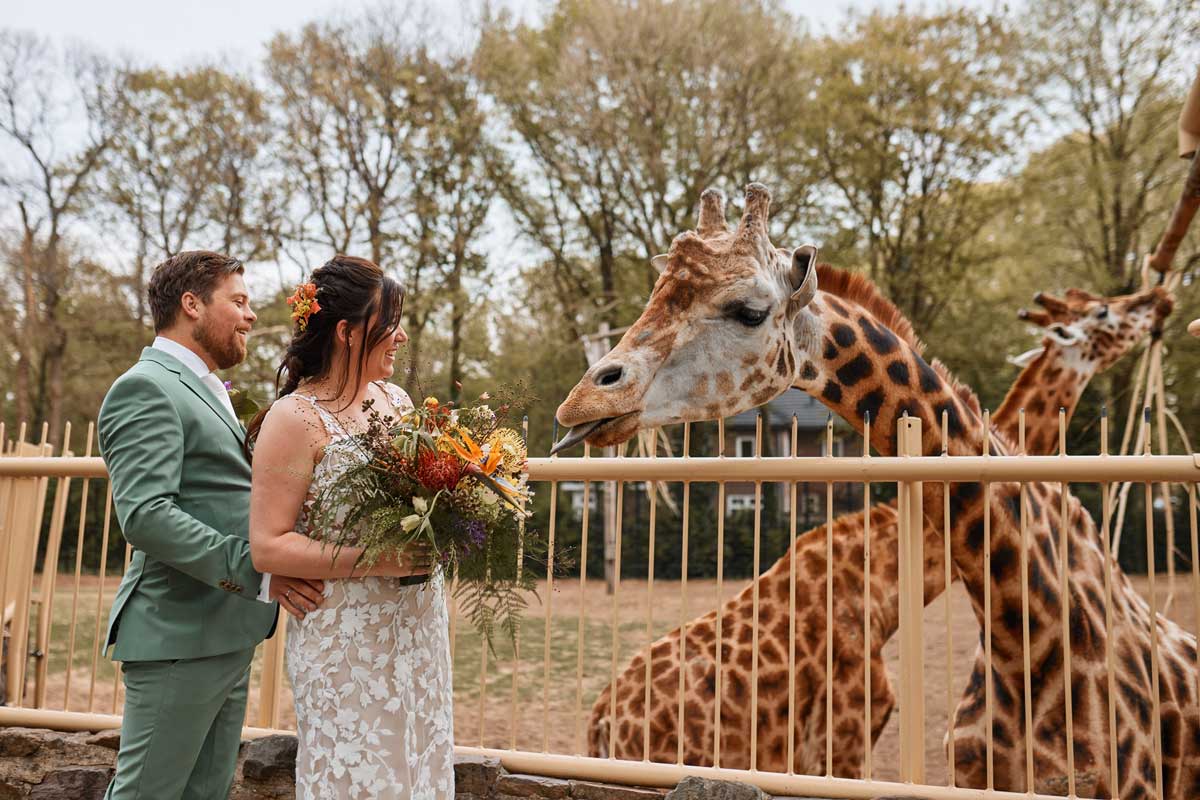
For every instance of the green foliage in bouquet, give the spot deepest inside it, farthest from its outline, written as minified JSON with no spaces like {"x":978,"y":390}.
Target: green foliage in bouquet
{"x":453,"y":478}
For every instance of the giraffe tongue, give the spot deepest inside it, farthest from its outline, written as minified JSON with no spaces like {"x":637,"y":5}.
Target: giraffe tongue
{"x":578,"y":434}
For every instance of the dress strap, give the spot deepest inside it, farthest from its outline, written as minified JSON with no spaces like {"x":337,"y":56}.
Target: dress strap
{"x":332,"y":426}
{"x":396,"y":396}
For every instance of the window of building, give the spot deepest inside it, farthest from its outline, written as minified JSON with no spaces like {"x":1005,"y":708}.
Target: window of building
{"x":739,"y":502}
{"x":744,"y":447}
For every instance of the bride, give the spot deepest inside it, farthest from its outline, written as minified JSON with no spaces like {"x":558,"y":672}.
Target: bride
{"x":370,"y":669}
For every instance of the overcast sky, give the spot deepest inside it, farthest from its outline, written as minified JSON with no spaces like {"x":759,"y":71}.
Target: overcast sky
{"x":173,"y":32}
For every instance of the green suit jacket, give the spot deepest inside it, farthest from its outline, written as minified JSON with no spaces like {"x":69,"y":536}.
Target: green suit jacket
{"x":181,"y":489}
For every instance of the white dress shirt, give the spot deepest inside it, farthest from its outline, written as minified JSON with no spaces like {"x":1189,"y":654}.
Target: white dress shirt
{"x":209,"y":378}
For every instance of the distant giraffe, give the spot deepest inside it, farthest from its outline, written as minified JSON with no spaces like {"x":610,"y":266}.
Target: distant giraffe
{"x":731,"y":323}
{"x":1084,"y":336}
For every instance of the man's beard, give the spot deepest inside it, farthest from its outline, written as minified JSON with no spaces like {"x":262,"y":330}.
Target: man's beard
{"x":225,"y":347}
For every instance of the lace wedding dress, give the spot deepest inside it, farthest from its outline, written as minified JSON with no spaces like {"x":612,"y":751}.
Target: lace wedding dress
{"x":370,"y":670}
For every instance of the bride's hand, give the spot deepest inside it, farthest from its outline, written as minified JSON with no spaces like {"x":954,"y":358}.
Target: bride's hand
{"x":417,"y":559}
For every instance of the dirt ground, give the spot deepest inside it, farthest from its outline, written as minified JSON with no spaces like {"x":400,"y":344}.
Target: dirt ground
{"x":533,"y":714}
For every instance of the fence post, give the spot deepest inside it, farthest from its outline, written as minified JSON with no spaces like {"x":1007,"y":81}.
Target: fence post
{"x":272,"y":675}
{"x":911,"y":575}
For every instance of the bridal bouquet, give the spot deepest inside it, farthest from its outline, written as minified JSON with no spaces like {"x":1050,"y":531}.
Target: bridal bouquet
{"x":455,"y":479}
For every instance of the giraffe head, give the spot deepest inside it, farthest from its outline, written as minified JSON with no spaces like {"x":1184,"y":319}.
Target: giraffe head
{"x":1093,"y":331}
{"x":719,"y":334}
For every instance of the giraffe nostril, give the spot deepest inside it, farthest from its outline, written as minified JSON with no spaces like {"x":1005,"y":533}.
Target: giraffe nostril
{"x":609,"y":376}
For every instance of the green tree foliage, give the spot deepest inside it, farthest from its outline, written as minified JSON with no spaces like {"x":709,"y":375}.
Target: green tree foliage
{"x":914,"y":115}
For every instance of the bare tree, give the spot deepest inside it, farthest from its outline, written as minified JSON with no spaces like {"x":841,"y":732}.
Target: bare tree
{"x":1110,"y":75}
{"x":57,"y":121}
{"x":382,"y":149}
{"x":185,"y":171}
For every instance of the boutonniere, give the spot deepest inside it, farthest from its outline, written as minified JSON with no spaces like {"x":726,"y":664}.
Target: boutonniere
{"x":244,"y":406}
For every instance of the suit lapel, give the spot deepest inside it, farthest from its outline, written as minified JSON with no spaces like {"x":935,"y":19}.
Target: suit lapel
{"x":193,"y":383}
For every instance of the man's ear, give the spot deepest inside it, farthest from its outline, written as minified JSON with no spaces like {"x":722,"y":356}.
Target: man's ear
{"x":189,"y":304}
{"x":802,"y":277}
{"x":659,"y":262}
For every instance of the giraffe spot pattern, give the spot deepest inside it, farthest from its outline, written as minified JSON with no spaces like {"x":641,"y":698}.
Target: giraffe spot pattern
{"x":882,"y":341}
{"x":854,"y":370}
{"x":844,"y":335}
{"x":898,"y":372}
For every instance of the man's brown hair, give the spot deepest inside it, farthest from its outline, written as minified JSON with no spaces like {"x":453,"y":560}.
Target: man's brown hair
{"x":195,"y":271}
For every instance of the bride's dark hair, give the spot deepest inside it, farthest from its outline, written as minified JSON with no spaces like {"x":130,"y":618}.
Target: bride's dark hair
{"x":348,"y":288}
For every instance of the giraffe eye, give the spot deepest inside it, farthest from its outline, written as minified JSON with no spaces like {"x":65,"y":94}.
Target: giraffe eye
{"x":750,"y":317}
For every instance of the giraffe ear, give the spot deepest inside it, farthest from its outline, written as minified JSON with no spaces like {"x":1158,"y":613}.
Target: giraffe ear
{"x":803,"y":275}
{"x":659,"y":262}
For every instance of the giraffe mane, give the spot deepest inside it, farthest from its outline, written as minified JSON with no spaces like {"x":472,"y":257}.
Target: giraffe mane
{"x":858,"y":288}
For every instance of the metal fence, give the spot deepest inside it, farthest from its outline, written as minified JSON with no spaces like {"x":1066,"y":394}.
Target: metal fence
{"x":44,"y":611}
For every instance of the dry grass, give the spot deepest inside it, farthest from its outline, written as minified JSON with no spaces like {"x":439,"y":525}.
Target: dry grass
{"x":534,"y":714}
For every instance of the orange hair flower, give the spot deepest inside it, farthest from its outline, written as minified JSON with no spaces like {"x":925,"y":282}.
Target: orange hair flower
{"x":304,"y":303}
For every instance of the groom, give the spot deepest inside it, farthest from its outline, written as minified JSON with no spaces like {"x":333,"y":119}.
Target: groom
{"x":191,"y":608}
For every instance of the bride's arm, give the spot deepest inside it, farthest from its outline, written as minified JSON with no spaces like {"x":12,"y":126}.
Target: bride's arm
{"x":284,"y":455}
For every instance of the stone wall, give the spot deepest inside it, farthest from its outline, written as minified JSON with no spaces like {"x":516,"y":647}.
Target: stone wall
{"x":48,"y":765}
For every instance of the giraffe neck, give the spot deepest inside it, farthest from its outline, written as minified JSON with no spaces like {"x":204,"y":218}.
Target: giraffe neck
{"x":1054,"y":380}
{"x":866,"y":369}
{"x":1048,"y":375}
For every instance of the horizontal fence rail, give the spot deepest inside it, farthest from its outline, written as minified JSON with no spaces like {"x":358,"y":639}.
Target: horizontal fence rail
{"x":582,"y":638}
{"x":784,"y":469}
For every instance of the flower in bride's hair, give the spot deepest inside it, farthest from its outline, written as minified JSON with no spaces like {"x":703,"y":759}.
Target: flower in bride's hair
{"x":304,"y":304}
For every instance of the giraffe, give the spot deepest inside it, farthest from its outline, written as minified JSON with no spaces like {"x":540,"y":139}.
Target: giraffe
{"x":732,"y":322}
{"x":1083,"y":336}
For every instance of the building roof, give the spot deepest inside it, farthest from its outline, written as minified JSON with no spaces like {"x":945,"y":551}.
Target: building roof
{"x":810,"y":414}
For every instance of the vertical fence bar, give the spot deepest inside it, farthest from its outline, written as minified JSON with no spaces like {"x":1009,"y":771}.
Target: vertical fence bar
{"x":22,"y":563}
{"x":11,"y":688}
{"x":717,"y":712}
{"x":987,"y":604}
{"x":549,"y":612}
{"x":912,"y":606}
{"x":829,"y":605}
{"x":1064,"y":558}
{"x":483,"y":666}
{"x":62,"y":493}
{"x":1156,"y":716}
{"x":650,"y":488}
{"x":1025,"y":648}
{"x":867,"y":604}
{"x":1191,"y":492}
{"x":683,"y":605}
{"x":272,"y":673}
{"x":583,"y":554}
{"x":1164,"y":487}
{"x":83,"y":504}
{"x":100,"y":595}
{"x":950,"y":778}
{"x":1109,"y":657}
{"x":755,"y":599}
{"x":791,"y":721}
{"x":616,"y":593}
{"x":516,"y":662}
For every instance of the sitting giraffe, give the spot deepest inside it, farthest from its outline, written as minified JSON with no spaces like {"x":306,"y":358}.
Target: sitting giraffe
{"x":730,"y":310}
{"x":1084,"y":335}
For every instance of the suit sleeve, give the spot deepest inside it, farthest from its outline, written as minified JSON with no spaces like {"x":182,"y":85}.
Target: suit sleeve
{"x":141,"y":439}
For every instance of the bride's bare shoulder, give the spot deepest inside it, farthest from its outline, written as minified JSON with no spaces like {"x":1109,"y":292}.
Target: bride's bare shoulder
{"x":292,"y":419}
